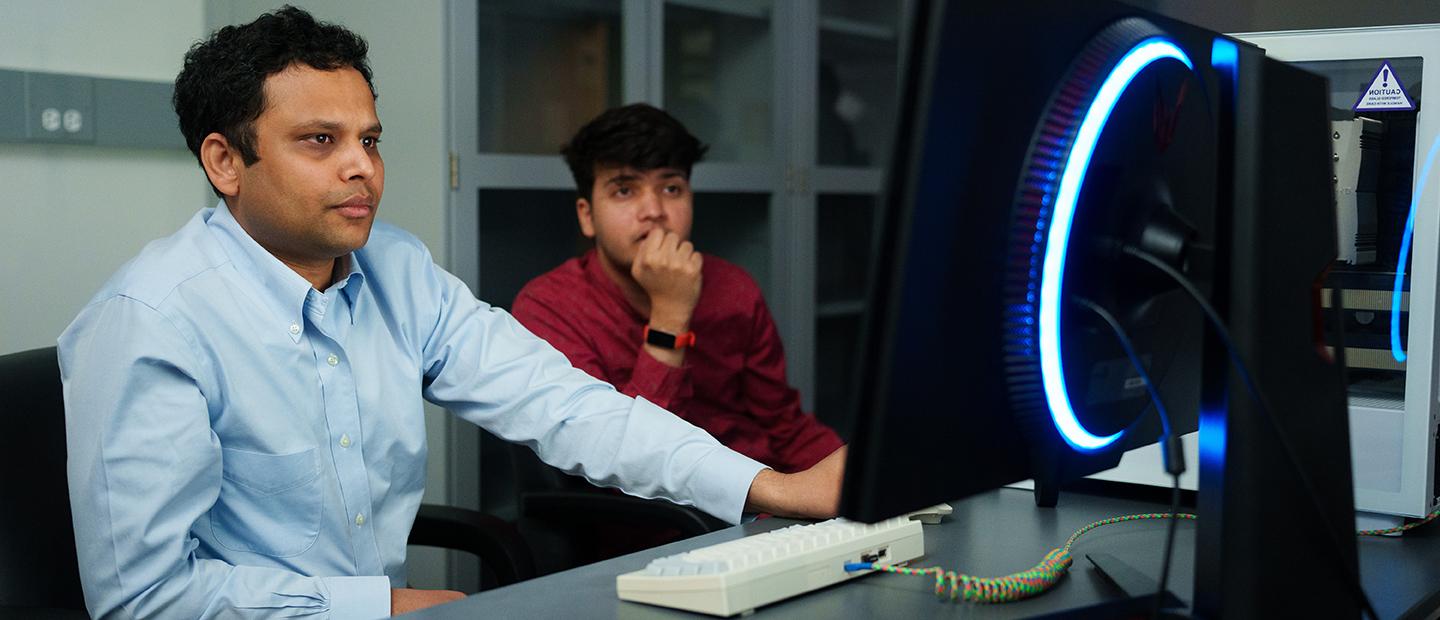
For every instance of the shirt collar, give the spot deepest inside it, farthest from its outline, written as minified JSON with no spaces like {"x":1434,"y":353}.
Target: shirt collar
{"x":350,"y":285}
{"x":279,"y":286}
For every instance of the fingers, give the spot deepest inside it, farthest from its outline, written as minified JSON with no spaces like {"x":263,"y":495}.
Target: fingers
{"x":670,"y":243}
{"x":649,"y":253}
{"x":687,"y":260}
{"x":665,"y":249}
{"x":668,"y":268}
{"x":653,"y":242}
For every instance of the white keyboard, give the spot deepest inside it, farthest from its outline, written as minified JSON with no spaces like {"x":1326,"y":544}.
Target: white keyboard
{"x":738,"y":576}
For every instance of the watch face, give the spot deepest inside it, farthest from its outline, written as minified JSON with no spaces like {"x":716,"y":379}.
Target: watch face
{"x":659,"y":338}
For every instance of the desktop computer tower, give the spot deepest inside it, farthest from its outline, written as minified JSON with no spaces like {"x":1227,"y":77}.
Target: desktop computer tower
{"x":1379,"y":151}
{"x":1241,"y":216}
{"x":1376,"y":76}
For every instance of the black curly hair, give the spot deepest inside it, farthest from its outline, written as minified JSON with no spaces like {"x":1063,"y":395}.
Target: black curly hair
{"x":221,"y":87}
{"x":639,"y":136}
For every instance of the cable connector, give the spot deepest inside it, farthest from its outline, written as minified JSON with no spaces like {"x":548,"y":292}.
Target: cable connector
{"x":1173,"y":451}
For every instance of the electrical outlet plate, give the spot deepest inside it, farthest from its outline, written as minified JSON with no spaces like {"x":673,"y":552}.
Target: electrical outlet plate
{"x":59,"y":108}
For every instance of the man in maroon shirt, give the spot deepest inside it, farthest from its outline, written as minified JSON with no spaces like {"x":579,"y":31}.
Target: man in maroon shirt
{"x":644,"y":311}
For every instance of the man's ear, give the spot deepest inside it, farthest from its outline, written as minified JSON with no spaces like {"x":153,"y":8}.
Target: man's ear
{"x":585,"y":213}
{"x":222,"y":164}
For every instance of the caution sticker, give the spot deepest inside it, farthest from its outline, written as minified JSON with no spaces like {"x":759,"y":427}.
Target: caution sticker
{"x":1385,"y":93}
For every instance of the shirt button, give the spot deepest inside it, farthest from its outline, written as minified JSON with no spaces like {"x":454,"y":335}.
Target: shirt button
{"x":294,"y":329}
{"x":332,"y":360}
{"x":344,"y":441}
{"x":360,"y":519}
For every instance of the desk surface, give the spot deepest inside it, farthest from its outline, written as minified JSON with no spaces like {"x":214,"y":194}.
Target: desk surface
{"x":992,"y":534}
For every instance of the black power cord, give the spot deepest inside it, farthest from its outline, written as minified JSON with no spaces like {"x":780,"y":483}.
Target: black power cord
{"x":1352,"y":578}
{"x":1172,"y":453}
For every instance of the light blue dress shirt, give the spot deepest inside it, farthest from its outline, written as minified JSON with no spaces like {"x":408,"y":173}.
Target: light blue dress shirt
{"x":241,"y":444}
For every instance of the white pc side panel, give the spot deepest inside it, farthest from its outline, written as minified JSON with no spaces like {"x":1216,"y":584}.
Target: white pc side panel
{"x":1392,"y":447}
{"x":1144,"y":465}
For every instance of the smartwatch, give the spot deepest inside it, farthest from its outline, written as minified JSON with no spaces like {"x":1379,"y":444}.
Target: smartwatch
{"x":666,"y":340}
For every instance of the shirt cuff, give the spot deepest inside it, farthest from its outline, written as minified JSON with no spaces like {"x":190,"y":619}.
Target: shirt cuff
{"x":724,"y":492}
{"x":362,"y":598}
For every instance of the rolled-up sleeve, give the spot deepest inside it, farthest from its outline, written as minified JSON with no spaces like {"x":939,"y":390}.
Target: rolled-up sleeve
{"x":144,"y":466}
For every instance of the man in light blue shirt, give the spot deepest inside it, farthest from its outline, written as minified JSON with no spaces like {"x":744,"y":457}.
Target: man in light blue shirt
{"x":243,"y":399}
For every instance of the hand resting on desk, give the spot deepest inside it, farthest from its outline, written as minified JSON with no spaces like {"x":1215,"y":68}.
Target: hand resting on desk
{"x":404,"y":600}
{"x":810,"y":494}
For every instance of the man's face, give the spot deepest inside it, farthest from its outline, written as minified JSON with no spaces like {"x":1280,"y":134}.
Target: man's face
{"x":627,"y":204}
{"x":313,"y":194}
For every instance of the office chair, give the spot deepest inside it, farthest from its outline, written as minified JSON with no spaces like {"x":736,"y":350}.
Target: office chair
{"x":39,"y":575}
{"x":504,"y":556}
{"x":568,"y":522}
{"x":38,"y":571}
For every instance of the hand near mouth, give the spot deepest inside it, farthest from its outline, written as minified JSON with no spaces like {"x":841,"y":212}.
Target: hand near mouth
{"x":668,"y":268}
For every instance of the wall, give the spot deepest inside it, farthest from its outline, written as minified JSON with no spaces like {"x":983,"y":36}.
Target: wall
{"x":71,"y":215}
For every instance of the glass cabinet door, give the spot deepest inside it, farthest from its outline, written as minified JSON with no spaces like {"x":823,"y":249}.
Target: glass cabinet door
{"x":845,"y":245}
{"x":719,"y":67}
{"x":857,"y":82}
{"x":523,"y":234}
{"x":527,"y":74}
{"x":856,"y":65}
{"x":736,"y":227}
{"x":545,"y":68}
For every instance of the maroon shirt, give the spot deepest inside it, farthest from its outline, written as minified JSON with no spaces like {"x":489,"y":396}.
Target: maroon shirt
{"x":732,"y":383}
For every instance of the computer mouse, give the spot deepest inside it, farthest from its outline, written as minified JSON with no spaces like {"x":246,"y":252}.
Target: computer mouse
{"x":931,"y":515}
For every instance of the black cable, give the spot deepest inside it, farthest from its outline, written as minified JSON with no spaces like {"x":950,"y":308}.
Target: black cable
{"x":1174,"y":464}
{"x":1352,"y":579}
{"x":1129,"y":348}
{"x":1169,"y":543}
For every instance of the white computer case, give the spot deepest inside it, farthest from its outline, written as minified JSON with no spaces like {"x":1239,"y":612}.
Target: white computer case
{"x":1393,"y":441}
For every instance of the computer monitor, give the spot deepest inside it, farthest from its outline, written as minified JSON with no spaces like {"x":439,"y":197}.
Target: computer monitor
{"x":1046,"y":151}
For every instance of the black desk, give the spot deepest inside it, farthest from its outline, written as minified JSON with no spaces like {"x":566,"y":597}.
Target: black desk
{"x":993,"y":534}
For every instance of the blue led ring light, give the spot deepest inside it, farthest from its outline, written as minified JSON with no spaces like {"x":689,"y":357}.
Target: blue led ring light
{"x":1397,"y":347}
{"x":1050,"y":187}
{"x":1052,"y":276}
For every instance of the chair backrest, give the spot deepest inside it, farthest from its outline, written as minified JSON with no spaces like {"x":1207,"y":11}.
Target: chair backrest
{"x":532,"y":474}
{"x":37,"y":541}
{"x":568,"y":522}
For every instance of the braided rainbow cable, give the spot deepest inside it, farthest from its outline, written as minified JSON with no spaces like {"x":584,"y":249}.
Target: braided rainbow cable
{"x":1403,"y":528}
{"x":1017,"y":586}
{"x":1043,"y":576}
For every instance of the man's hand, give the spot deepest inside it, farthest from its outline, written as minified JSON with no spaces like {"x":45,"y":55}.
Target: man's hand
{"x":404,"y":600}
{"x":810,"y":494}
{"x":669,"y":271}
